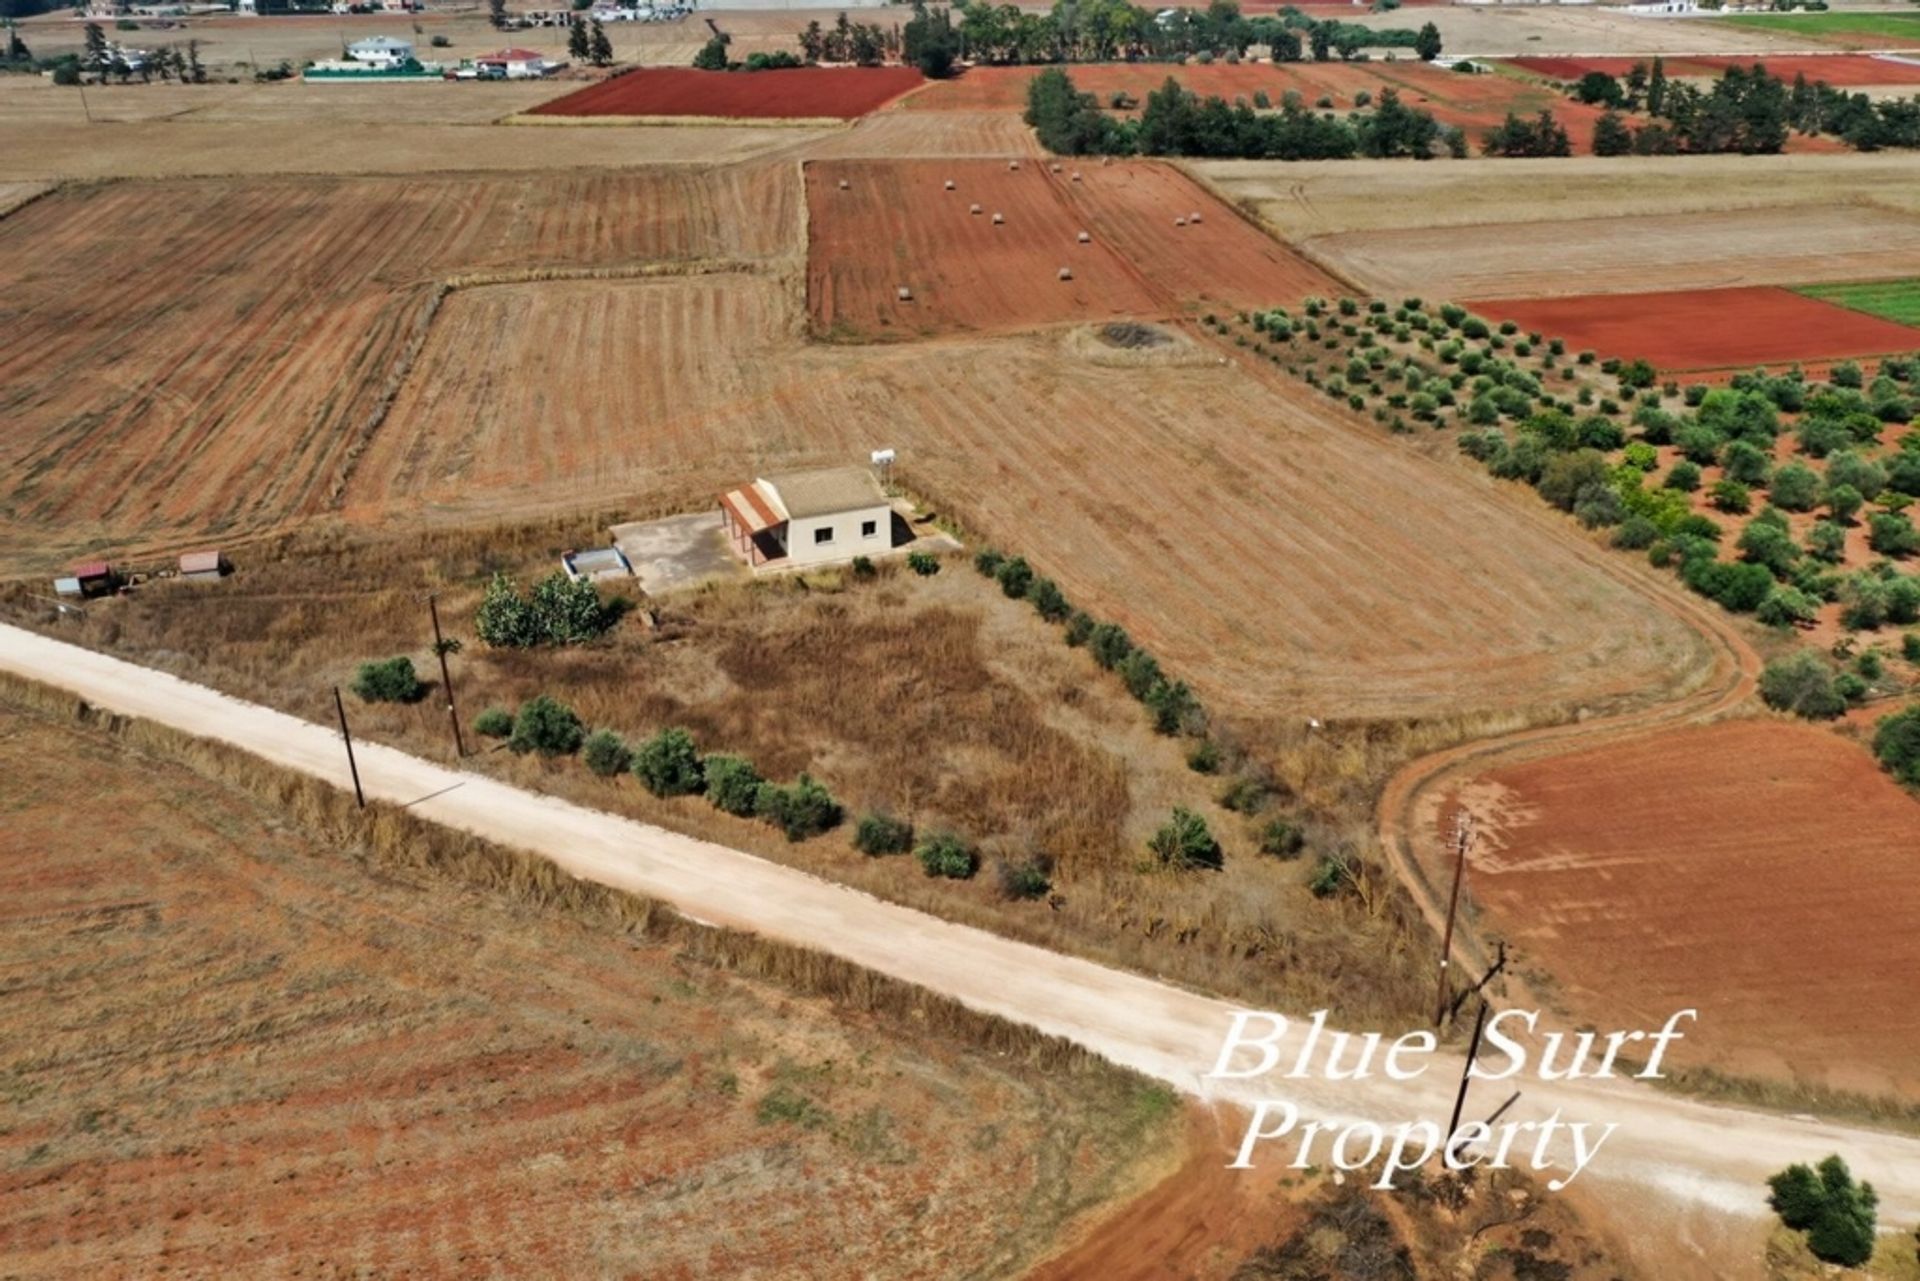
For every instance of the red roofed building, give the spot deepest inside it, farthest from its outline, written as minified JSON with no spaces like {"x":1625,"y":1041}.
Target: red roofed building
{"x":515,"y":64}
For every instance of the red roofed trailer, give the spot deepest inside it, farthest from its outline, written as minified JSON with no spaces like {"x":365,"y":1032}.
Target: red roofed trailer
{"x":89,"y":578}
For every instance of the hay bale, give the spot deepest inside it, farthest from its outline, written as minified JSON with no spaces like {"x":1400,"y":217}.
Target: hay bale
{"x":1054,"y":168}
{"x":1179,"y":222}
{"x":999,"y":218}
{"x":844,"y":184}
{"x":1066,"y":273}
{"x":1013,"y":164}
{"x":1075,"y":175}
{"x":973,"y":208}
{"x":905,"y":294}
{"x":1086,"y":237}
{"x":949,"y":184}
{"x":1193,"y":218}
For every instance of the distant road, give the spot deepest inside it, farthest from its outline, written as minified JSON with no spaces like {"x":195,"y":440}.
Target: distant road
{"x":1697,"y":1156}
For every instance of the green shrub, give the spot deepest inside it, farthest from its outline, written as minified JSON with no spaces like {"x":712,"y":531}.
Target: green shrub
{"x":1184,"y":841}
{"x":1046,"y":598}
{"x":924,"y":564}
{"x":1844,"y":503}
{"x":988,"y":561}
{"x":1282,"y":839}
{"x":1025,"y":878}
{"x":1826,"y":541}
{"x":1138,"y":671}
{"x":1887,"y":534}
{"x":945,"y":854}
{"x":862,"y":567}
{"x":802,"y":809}
{"x":1205,"y":757}
{"x":1175,"y":709}
{"x":546,"y":726}
{"x":1801,"y":683}
{"x":1896,"y":741}
{"x":1836,"y":1213}
{"x":1331,"y":875}
{"x":1787,"y":607}
{"x":390,"y":680}
{"x":557,"y":611}
{"x":1079,"y":627}
{"x":1684,"y":477}
{"x":881,"y":833}
{"x":495,"y":722}
{"x":1015,"y":576}
{"x":1732,"y":496}
{"x":1910,"y":647}
{"x":1109,"y":644}
{"x":669,"y":764}
{"x":733,"y":784}
{"x":1636,"y":533}
{"x":606,"y":753}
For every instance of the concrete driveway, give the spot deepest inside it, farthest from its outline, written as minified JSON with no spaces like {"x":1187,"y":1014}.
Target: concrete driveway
{"x":679,"y":552}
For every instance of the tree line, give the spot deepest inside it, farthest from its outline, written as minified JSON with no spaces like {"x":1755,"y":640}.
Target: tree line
{"x":1747,"y":111}
{"x":1178,"y":122}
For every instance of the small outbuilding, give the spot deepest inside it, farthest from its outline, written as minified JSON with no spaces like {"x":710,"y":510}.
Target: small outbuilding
{"x":515,"y":64}
{"x":596,"y":563}
{"x":89,"y":578}
{"x":380,"y":51}
{"x":808,"y":517}
{"x":208,"y":567}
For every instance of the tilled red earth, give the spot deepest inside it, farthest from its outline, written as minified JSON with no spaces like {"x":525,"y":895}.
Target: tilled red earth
{"x":797,"y":93}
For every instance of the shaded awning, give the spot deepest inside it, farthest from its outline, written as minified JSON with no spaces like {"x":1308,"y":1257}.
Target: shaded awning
{"x":750,"y":509}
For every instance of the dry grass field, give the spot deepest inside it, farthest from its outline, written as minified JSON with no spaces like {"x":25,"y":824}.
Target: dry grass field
{"x":241,"y":1041}
{"x":1775,"y":856}
{"x":1291,"y":520}
{"x":1779,"y":246}
{"x":1314,"y":198}
{"x":265,"y":356}
{"x":890,"y":135}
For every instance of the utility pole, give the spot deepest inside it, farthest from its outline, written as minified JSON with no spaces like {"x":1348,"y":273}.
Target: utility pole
{"x":1462,"y":842}
{"x":340,"y":707}
{"x":441,"y":649}
{"x":1473,"y":1050}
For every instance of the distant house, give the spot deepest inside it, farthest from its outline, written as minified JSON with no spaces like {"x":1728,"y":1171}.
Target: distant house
{"x":205,"y":567}
{"x":808,"y":517}
{"x":515,"y":64}
{"x":380,"y":51}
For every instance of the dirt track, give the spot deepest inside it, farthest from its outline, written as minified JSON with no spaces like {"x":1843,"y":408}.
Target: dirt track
{"x":1702,"y":1160}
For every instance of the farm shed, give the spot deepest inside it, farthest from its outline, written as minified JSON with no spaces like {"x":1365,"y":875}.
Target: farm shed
{"x":205,"y":566}
{"x":90,"y":578}
{"x":808,"y":517}
{"x":596,"y":563}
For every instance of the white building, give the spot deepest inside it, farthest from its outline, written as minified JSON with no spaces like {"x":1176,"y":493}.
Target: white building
{"x":808,"y":517}
{"x":515,"y":64}
{"x":380,"y":51}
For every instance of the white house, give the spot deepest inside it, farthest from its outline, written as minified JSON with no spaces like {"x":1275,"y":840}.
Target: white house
{"x":380,"y":51}
{"x":515,"y":64}
{"x":808,"y":517}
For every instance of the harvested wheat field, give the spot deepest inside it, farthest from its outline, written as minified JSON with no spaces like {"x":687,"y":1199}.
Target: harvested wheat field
{"x":239,"y":1046}
{"x":1779,"y":246}
{"x":1772,"y":857}
{"x":897,"y":225}
{"x":889,"y":135}
{"x":799,"y":93}
{"x":1246,"y":578}
{"x":1707,"y":328}
{"x":264,"y":358}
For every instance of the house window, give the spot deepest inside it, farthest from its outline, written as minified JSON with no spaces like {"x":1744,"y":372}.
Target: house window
{"x":868,"y":528}
{"x":824,"y":534}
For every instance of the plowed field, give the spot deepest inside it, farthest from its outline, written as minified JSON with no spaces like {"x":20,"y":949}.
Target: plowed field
{"x":218,"y":372}
{"x":1707,"y":328}
{"x":1761,"y":871}
{"x":801,"y":93}
{"x":233,"y":1049}
{"x":1235,"y":523}
{"x":897,"y":225}
{"x":1779,"y":246}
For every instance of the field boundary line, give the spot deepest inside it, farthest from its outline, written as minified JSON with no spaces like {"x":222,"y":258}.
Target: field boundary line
{"x":698,"y":122}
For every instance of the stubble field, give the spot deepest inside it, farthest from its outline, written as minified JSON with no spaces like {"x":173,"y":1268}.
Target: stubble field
{"x":1761,"y":871}
{"x":236,"y":1047}
{"x":840,"y":93}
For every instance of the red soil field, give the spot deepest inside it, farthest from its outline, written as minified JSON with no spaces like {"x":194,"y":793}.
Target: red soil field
{"x":1707,"y":328}
{"x":896,"y":224}
{"x":1750,"y":869}
{"x":1474,"y":103}
{"x":1839,"y":70}
{"x":800,"y":93}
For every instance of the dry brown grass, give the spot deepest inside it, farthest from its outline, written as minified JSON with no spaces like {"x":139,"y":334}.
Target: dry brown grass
{"x":938,"y":699}
{"x":246,"y":1010}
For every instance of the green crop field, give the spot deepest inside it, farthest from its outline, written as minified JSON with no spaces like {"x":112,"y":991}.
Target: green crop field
{"x":1851,"y":28}
{"x":1895,"y":300}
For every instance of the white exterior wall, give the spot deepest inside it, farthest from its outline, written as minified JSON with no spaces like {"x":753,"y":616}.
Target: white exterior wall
{"x":802,"y":549}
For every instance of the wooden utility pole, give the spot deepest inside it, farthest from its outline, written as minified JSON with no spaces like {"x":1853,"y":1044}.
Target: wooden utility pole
{"x":1473,"y":1049}
{"x":340,"y":707}
{"x":1462,"y":841}
{"x":446,"y":677}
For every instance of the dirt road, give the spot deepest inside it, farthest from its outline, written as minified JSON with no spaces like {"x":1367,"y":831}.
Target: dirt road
{"x":1703,"y":1161}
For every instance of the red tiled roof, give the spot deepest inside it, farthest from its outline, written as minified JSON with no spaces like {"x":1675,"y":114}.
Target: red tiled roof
{"x":750,"y":509}
{"x":92,"y":569}
{"x":512,"y":55}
